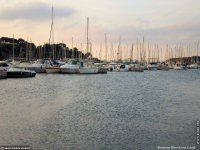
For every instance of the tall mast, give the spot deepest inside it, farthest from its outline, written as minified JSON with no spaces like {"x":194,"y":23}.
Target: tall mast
{"x":106,"y":47}
{"x":140,"y":53}
{"x":87,"y":33}
{"x":148,"y":52}
{"x":52,"y":33}
{"x":13,"y":48}
{"x":87,"y":37}
{"x":131,"y":57}
{"x":119,"y":46}
{"x":27,"y":49}
{"x":100,"y":51}
{"x":166,"y":53}
{"x":72,"y":47}
{"x":154,"y":54}
{"x":197,"y":52}
{"x":143,"y":51}
{"x":91,"y":52}
{"x":111,"y":52}
{"x":81,"y":51}
{"x":158,"y":53}
{"x":137,"y":51}
{"x":30,"y":50}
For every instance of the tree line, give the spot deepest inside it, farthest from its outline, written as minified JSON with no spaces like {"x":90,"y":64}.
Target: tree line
{"x":24,"y":50}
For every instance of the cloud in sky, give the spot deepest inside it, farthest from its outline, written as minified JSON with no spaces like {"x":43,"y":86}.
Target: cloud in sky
{"x":159,"y":21}
{"x":34,"y":11}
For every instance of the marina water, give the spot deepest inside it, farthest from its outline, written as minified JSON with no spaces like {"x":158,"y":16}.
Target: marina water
{"x":130,"y":110}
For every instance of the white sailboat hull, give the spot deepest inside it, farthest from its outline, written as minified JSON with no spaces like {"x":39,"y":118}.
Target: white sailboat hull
{"x":178,"y":68}
{"x":120,"y":70}
{"x":88,"y":70}
{"x":38,"y":69}
{"x":53,"y":69}
{"x":152,"y":67}
{"x":70,"y":69}
{"x":194,"y":66}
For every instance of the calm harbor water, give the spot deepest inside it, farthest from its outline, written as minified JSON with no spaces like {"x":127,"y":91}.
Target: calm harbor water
{"x":118,"y":111}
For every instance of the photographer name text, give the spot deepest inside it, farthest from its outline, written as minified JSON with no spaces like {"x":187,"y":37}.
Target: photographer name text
{"x":176,"y":147}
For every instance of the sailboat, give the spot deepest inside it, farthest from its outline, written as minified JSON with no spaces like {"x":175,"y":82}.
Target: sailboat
{"x":153,"y":66}
{"x":195,"y":65}
{"x":88,"y":69}
{"x":39,"y":65}
{"x":19,"y":73}
{"x":179,"y":65}
{"x":52,"y":68}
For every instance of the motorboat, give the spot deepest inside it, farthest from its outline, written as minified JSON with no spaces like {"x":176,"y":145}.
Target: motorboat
{"x":57,"y":62}
{"x":136,"y":68}
{"x":20,"y":73}
{"x":178,"y":67}
{"x":23,"y":65}
{"x":112,"y":66}
{"x":194,"y":66}
{"x":4,"y":65}
{"x":54,"y":66}
{"x":115,"y":67}
{"x":69,"y":69}
{"x":123,"y":68}
{"x":153,"y":66}
{"x":39,"y":66}
{"x":72,"y":67}
{"x":101,"y":68}
{"x":163,"y":67}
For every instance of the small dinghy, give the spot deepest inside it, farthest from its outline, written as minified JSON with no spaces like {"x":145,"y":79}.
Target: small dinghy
{"x":20,"y":73}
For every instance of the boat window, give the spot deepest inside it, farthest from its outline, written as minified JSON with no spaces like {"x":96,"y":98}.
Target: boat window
{"x":122,"y":66}
{"x":3,"y":65}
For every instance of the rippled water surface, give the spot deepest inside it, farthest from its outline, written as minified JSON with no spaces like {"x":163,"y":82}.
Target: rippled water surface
{"x":118,"y":111}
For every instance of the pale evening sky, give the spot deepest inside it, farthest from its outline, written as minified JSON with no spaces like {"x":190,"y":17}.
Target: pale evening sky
{"x":159,"y":21}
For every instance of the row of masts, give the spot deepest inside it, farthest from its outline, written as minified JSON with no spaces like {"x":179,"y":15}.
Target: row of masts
{"x":140,"y":51}
{"x":144,"y":52}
